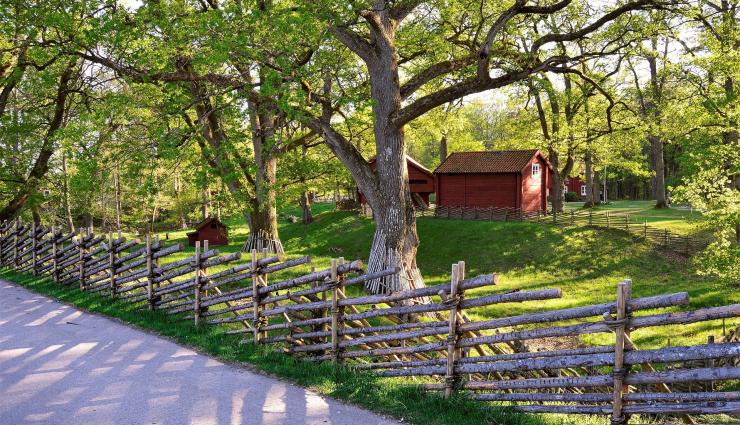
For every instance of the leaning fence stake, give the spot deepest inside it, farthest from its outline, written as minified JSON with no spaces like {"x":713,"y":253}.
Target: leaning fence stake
{"x":81,"y":248}
{"x":196,"y":302}
{"x":54,"y":274}
{"x":33,"y":249}
{"x":255,"y":299}
{"x":619,"y":373}
{"x":334,"y":312}
{"x":112,"y":265}
{"x":149,"y":273}
{"x":450,"y":377}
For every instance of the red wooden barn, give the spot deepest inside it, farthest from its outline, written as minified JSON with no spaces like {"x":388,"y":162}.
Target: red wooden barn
{"x":505,"y":179}
{"x":211,"y":230}
{"x":421,"y":182}
{"x":577,"y":185}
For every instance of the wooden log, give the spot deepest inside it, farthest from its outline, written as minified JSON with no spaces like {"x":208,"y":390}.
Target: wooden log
{"x":639,"y":378}
{"x":598,"y":327}
{"x":569,"y":410}
{"x":164,"y":252}
{"x":659,"y":301}
{"x":122,"y":245}
{"x":490,"y":299}
{"x":710,"y":408}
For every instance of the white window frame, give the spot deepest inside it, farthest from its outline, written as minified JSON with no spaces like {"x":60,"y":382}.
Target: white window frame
{"x":535,"y":170}
{"x":583,"y":190}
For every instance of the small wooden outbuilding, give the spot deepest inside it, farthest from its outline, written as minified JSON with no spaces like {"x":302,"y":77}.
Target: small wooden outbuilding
{"x":577,"y":185}
{"x":421,"y":182}
{"x":504,"y":179}
{"x":211,"y":230}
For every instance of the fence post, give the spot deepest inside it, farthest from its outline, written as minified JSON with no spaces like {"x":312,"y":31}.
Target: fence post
{"x":334,"y":312}
{"x":112,"y":265}
{"x":255,"y":298}
{"x":590,"y":217}
{"x":688,"y":243}
{"x":455,"y":296}
{"x":710,"y":362}
{"x":149,"y":272}
{"x":33,"y":248}
{"x":627,"y":222}
{"x":196,"y":285}
{"x":554,"y":216}
{"x":54,"y":276}
{"x":15,"y":243}
{"x":644,"y":230}
{"x":665,"y":238}
{"x":619,"y":372}
{"x":607,"y":219}
{"x":81,"y":272}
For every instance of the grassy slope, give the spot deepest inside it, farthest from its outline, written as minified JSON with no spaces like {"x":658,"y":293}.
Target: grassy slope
{"x":586,"y":264}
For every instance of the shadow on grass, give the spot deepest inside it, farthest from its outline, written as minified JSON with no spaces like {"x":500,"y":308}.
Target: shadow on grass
{"x":382,"y":395}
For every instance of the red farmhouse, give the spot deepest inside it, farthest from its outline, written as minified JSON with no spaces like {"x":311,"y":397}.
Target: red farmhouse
{"x":421,"y":182}
{"x":211,"y":230}
{"x":504,"y":179}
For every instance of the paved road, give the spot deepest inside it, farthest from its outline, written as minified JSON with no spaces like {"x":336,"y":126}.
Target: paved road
{"x":59,"y":365}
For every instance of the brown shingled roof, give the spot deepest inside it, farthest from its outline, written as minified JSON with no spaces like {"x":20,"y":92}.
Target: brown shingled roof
{"x":486,"y":162}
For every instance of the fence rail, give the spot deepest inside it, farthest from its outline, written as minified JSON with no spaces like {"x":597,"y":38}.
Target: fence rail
{"x":659,"y":237}
{"x":426,"y":332}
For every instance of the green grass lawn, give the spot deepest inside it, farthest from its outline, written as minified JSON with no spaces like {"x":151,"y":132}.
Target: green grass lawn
{"x":680,"y":220}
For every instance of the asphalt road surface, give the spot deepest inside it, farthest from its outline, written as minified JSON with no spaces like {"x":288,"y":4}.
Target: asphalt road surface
{"x":59,"y":365}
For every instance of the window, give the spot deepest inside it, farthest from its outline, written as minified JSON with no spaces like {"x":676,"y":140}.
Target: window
{"x":535,"y":170}
{"x":583,"y":190}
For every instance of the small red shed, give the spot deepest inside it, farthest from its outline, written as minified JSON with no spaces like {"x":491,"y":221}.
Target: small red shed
{"x":421,"y":182}
{"x":211,"y":230}
{"x":505,"y":179}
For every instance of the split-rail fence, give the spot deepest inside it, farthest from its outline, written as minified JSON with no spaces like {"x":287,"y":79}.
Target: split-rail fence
{"x":427,"y":333}
{"x":658,"y":237}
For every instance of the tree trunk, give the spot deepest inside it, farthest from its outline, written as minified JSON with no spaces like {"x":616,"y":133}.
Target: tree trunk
{"x":65,"y":194}
{"x":305,"y":201}
{"x":590,"y":202}
{"x":205,"y":200}
{"x":395,"y":241}
{"x":36,"y":215}
{"x":659,"y":169}
{"x":41,"y":165}
{"x":117,"y":190}
{"x":387,"y":189}
{"x":263,"y":225}
{"x":442,"y":149}
{"x":596,"y":194}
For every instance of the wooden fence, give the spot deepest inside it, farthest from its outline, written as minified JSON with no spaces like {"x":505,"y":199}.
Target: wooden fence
{"x":663,"y":238}
{"x":426,"y":333}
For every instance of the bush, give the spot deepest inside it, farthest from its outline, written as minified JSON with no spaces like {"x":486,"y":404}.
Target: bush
{"x":571,"y":197}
